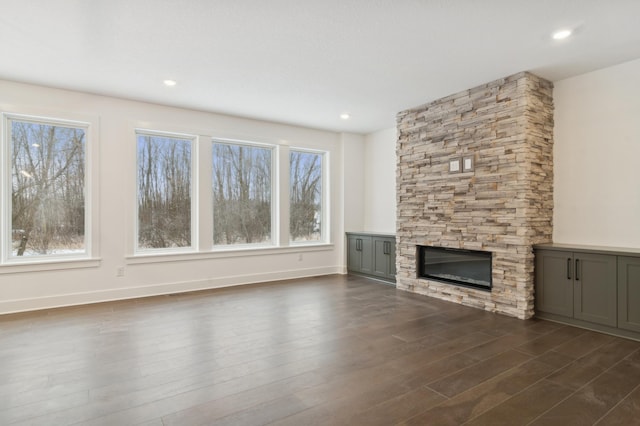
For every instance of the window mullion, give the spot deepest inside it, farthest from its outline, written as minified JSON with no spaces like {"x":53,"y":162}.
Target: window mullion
{"x":203,"y":189}
{"x":282,"y":183}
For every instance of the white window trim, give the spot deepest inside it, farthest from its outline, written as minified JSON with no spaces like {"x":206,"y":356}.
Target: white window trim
{"x":90,"y":256}
{"x":194,"y":140}
{"x":226,"y":254}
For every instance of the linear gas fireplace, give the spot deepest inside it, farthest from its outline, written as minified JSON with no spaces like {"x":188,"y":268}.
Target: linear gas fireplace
{"x":469,"y":268}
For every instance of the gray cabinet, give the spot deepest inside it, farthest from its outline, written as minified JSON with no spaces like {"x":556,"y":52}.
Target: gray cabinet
{"x":629,"y":293}
{"x":372,"y":255}
{"x":578,"y":285}
{"x":592,"y":287}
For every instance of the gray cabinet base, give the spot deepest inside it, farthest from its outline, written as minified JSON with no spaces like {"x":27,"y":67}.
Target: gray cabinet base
{"x":372,"y":255}
{"x":387,"y":281}
{"x":614,"y":331}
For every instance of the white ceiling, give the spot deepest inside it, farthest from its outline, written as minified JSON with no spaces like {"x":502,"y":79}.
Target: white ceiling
{"x":305,"y":62}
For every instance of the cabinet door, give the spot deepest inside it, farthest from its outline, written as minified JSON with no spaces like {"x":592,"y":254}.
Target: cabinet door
{"x":354,"y":255}
{"x":629,"y":293}
{"x":595,"y":288}
{"x":366,"y":247}
{"x":384,"y":257}
{"x":359,"y":256}
{"x":554,"y":278}
{"x":392,"y":259}
{"x":380,"y":257}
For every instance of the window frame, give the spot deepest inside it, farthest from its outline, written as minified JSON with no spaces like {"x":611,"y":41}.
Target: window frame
{"x":89,"y":256}
{"x":275,"y":196}
{"x":193,"y":176}
{"x":203,"y":196}
{"x":324,"y":197}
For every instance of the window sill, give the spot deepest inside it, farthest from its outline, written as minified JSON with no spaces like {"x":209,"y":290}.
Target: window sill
{"x":49,"y":265}
{"x":224,"y":253}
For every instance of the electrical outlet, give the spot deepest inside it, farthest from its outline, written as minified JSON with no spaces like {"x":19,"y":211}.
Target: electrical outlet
{"x":299,"y":257}
{"x":120,"y":271}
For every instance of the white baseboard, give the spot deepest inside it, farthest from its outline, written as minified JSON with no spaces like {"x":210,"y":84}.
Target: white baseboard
{"x":74,"y":299}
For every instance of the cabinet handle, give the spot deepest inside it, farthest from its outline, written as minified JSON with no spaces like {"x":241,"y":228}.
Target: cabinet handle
{"x":568,"y":268}
{"x":385,"y":247}
{"x":577,"y":269}
{"x":358,"y":244}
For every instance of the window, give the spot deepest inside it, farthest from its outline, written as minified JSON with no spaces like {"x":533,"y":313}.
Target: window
{"x":47,"y":210}
{"x":177,"y":212}
{"x":164,"y":191}
{"x":305,"y":196}
{"x":242,"y":190}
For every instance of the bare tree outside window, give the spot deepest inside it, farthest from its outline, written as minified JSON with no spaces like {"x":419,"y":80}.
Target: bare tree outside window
{"x":305,"y":196}
{"x":48,"y":184}
{"x":164,"y":192}
{"x":241,"y":184}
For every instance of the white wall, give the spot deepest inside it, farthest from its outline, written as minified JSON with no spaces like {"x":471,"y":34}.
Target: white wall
{"x":352,"y":193}
{"x":354,"y":185}
{"x":380,"y":181}
{"x":25,"y":289}
{"x":597,"y":157}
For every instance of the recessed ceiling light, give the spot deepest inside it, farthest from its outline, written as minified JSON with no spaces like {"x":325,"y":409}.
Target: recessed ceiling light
{"x":169,"y":83}
{"x":561,"y":34}
{"x":345,"y":116}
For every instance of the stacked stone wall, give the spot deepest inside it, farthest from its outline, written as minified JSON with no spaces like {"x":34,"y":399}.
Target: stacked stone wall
{"x":505,"y":205}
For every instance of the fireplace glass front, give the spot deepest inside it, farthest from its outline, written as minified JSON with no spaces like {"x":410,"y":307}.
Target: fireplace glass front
{"x":469,"y":268}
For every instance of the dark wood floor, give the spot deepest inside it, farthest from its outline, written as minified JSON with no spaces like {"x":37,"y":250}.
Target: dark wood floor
{"x":331,"y":350}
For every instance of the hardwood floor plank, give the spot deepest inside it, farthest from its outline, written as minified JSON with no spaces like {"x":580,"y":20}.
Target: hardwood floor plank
{"x":264,"y":413}
{"x":499,"y":345}
{"x":583,"y":344}
{"x":550,"y":340}
{"x":487,"y":394}
{"x":524,"y":407}
{"x":585,"y":369}
{"x":627,"y":412}
{"x":43,"y":409}
{"x":461,"y":381}
{"x":596,"y":398}
{"x":324,"y":350}
{"x":398,"y":408}
{"x":232,"y":404}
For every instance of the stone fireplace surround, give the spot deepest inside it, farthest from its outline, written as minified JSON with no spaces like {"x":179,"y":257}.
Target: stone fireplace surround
{"x":503,"y":206}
